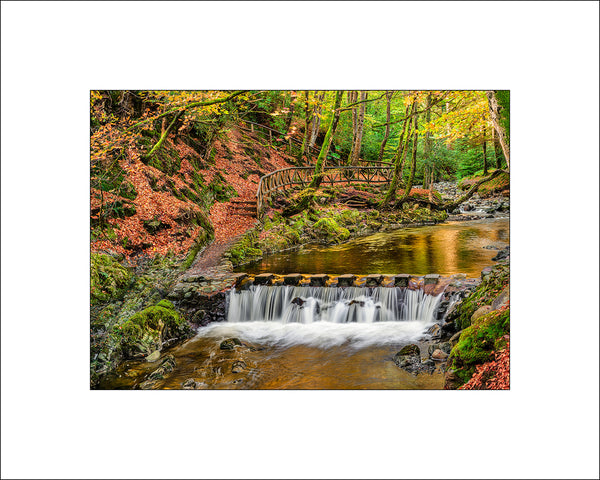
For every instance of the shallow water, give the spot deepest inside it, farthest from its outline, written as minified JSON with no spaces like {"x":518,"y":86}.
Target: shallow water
{"x":290,"y":356}
{"x":446,"y":248}
{"x":325,"y":354}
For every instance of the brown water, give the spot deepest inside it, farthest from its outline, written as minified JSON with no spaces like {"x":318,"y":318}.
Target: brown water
{"x":277,"y":367}
{"x":324,"y":355}
{"x":446,"y":248}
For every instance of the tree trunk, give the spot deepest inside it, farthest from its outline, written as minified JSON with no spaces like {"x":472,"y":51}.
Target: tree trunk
{"x":427,"y":148}
{"x":408,"y":186}
{"x":306,"y":120}
{"x":399,"y":159}
{"x":316,"y":122}
{"x":317,"y":176}
{"x":497,"y":154}
{"x":485,"y":168}
{"x":288,"y":123}
{"x":360,"y":122}
{"x":493,"y":106}
{"x":352,"y":97}
{"x":388,"y":97}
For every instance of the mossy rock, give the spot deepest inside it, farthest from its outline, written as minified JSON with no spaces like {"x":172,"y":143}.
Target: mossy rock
{"x":327,"y":229}
{"x":478,"y":342}
{"x":148,"y":330}
{"x":108,"y":278}
{"x":485,"y":293}
{"x":230,"y":343}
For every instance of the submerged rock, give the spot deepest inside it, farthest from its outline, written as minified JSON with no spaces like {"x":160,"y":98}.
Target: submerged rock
{"x":230,"y":343}
{"x":238,"y":366}
{"x":191,"y":384}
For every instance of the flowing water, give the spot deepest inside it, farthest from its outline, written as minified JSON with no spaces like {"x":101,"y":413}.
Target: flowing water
{"x":328,"y":337}
{"x":446,"y":249}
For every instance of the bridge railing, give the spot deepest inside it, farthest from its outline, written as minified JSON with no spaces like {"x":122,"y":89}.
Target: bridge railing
{"x":279,"y":180}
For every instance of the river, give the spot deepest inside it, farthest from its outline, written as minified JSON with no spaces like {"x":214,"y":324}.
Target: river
{"x":311,"y":354}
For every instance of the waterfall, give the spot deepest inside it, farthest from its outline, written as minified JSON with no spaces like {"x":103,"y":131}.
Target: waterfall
{"x":294,"y":304}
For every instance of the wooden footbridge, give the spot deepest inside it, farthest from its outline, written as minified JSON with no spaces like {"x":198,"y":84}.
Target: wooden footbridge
{"x":279,"y":180}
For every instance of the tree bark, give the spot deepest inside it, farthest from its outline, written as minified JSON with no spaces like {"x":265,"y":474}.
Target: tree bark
{"x":352,"y":97}
{"x":408,"y":186}
{"x":306,"y":121}
{"x":317,"y":176}
{"x":360,"y":122}
{"x":485,"y":168}
{"x":388,"y":97}
{"x":497,"y":154}
{"x":290,"y":113}
{"x":316,"y":122}
{"x":428,"y":160}
{"x":399,"y":159}
{"x":493,"y":106}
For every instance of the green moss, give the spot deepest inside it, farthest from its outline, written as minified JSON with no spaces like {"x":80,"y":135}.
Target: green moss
{"x":108,"y":278}
{"x":219,"y":189}
{"x":147,"y":330}
{"x":484,"y":294}
{"x":478,"y":342}
{"x":498,"y":184}
{"x":166,"y":159}
{"x":245,"y":249}
{"x":329,"y":230}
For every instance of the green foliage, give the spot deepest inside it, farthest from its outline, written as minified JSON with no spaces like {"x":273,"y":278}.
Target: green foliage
{"x":108,"y":278}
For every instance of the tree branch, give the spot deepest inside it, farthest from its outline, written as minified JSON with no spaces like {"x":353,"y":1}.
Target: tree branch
{"x":187,"y":107}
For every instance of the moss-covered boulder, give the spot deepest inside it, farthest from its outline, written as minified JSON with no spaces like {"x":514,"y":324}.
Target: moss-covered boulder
{"x":477,"y":344}
{"x":108,"y":278}
{"x":149,"y":329}
{"x":490,"y":287}
{"x":328,"y":230}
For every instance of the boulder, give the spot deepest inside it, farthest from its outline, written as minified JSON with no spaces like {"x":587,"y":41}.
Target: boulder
{"x":480,"y":312}
{"x":230,"y":343}
{"x":438,"y":354}
{"x":408,"y":356}
{"x":502,"y":299}
{"x":154,"y":356}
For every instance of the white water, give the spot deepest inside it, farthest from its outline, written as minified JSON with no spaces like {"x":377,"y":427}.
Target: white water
{"x":289,"y":304}
{"x":326,"y":317}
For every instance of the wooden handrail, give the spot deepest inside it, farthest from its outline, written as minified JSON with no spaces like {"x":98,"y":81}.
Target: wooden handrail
{"x":284,"y":177}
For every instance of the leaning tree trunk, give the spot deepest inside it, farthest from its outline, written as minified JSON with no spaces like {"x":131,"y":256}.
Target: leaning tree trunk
{"x":399,"y":159}
{"x":388,"y":97}
{"x":493,"y":106}
{"x":360,"y":123}
{"x":408,"y":186}
{"x":317,"y":176}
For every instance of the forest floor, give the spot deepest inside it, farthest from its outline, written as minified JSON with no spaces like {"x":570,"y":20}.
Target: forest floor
{"x":242,"y":172}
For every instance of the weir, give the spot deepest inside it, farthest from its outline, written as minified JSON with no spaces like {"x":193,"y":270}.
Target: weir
{"x":308,"y":304}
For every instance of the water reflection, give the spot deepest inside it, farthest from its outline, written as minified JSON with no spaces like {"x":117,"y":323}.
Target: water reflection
{"x":445,"y":249}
